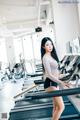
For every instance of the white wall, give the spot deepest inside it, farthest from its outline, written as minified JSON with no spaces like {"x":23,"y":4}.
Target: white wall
{"x":79,"y":12}
{"x":66,"y":24}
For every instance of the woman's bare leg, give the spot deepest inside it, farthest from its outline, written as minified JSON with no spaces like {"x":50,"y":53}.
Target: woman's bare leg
{"x":58,"y":109}
{"x":58,"y":105}
{"x":54,"y":106}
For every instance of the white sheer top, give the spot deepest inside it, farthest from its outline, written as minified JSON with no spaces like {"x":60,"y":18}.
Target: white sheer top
{"x":51,"y":68}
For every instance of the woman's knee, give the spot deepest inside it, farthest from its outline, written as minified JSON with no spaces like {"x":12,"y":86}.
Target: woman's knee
{"x":60,"y":104}
{"x":61,"y":107}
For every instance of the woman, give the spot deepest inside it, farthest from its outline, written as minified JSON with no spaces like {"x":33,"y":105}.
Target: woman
{"x":51,"y":74}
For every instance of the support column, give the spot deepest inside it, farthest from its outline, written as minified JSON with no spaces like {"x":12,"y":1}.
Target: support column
{"x":10,"y":51}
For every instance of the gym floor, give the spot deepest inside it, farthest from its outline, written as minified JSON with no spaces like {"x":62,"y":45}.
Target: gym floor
{"x":7,"y":91}
{"x":10,"y":89}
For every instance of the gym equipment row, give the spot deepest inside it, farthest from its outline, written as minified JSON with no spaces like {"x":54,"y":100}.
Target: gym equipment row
{"x":39,"y":106}
{"x":72,"y":70}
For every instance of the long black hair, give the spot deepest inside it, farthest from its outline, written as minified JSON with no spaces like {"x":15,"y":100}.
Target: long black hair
{"x":53,"y":53}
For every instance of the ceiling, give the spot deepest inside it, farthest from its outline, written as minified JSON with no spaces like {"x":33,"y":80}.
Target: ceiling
{"x":18,"y":16}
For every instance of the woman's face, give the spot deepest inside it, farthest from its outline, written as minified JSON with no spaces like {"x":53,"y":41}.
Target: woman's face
{"x":48,"y":46}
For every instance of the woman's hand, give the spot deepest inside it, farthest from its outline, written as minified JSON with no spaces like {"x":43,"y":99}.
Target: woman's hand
{"x":65,"y":84}
{"x":61,"y":75}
